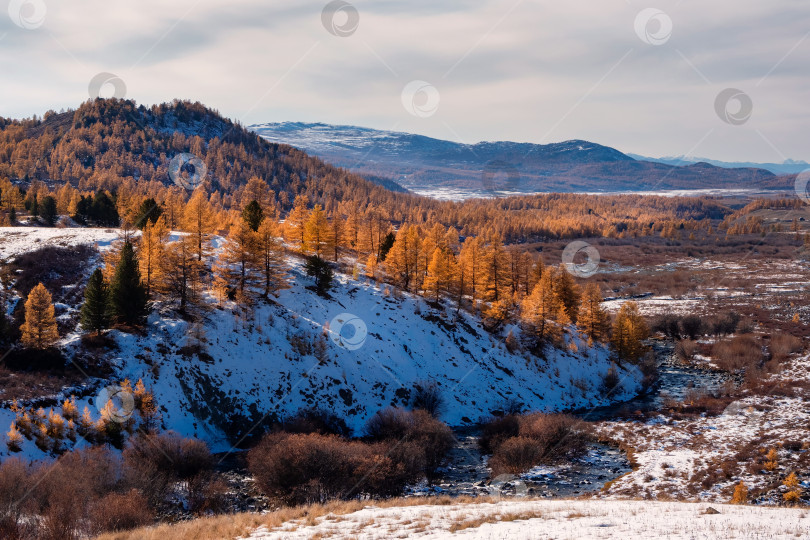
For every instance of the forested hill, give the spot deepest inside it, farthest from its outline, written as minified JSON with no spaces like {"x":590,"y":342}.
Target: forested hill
{"x":105,"y":143}
{"x":126,"y":150}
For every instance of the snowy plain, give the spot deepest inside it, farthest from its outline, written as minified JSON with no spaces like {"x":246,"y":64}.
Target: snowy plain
{"x":558,"y":520}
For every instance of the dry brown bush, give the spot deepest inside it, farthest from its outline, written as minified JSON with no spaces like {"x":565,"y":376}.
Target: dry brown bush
{"x":783,"y":345}
{"x":542,"y":438}
{"x":497,"y":430}
{"x":308,"y":468}
{"x":15,"y":483}
{"x":119,"y":512}
{"x":419,"y":427}
{"x":152,"y":462}
{"x":739,"y":353}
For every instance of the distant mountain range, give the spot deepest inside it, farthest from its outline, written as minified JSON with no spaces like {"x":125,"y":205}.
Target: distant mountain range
{"x":446,"y":169}
{"x":789,"y":166}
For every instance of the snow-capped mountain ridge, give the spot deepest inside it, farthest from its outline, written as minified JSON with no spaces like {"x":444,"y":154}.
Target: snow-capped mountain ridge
{"x":447,"y":169}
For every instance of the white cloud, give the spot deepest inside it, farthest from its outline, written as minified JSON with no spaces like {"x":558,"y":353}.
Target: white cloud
{"x":505,"y":69}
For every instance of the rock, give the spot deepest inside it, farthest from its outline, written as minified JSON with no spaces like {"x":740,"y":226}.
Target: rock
{"x":711,"y":511}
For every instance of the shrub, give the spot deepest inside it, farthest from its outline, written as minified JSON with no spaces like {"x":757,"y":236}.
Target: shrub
{"x":314,"y":468}
{"x":667,"y":325}
{"x":119,"y":511}
{"x":515,"y":455}
{"x":783,"y":345}
{"x":611,"y":382}
{"x":739,"y":353}
{"x":685,"y":350}
{"x":317,"y":421}
{"x":692,"y":326}
{"x":428,"y":397}
{"x":15,"y":483}
{"x":497,"y":430}
{"x":152,"y":462}
{"x":401,"y":426}
{"x":542,"y":438}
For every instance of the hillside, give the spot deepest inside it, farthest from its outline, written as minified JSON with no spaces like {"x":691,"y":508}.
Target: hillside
{"x":110,"y":143}
{"x":237,"y":370}
{"x":451,"y":170}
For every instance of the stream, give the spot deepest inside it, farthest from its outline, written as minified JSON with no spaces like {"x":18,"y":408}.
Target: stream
{"x":466,"y":471}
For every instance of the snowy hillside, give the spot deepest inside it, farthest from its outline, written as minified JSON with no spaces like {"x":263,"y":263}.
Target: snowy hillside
{"x":217,"y":379}
{"x":265,"y":363}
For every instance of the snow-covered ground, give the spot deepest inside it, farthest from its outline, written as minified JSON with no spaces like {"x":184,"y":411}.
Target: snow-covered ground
{"x":277,"y":358}
{"x":673,"y":456}
{"x":656,"y":305}
{"x":265,"y":362}
{"x":14,"y":241}
{"x":560,"y":520}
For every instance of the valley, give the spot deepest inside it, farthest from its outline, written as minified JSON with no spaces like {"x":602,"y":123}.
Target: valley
{"x":320,"y":338}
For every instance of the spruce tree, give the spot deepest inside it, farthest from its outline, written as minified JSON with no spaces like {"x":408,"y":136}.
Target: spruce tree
{"x":148,"y":212}
{"x":128,"y":298}
{"x":48,"y":211}
{"x":95,"y":314}
{"x":253,"y":215}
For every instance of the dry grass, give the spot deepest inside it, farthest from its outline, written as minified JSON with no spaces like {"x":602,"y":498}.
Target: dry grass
{"x":473,"y":523}
{"x":231,"y":526}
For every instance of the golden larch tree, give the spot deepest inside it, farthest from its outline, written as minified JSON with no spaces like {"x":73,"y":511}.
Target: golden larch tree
{"x":151,"y":254}
{"x":629,"y":332}
{"x":39,"y":329}
{"x":316,"y":232}
{"x":198,"y":219}
{"x":543,"y":311}
{"x":593,"y":320}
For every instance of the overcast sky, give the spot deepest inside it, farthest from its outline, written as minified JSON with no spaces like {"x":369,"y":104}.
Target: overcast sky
{"x":536,"y":71}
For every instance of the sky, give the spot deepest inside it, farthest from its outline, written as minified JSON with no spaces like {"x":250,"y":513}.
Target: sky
{"x":723,"y":79}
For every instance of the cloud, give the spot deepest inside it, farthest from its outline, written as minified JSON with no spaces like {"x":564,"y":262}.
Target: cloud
{"x":534,"y":70}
